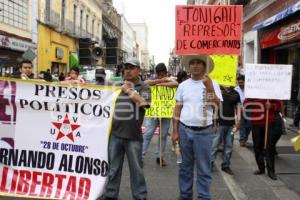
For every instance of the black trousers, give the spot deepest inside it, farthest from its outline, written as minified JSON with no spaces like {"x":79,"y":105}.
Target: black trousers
{"x":261,"y":154}
{"x":297,"y":116}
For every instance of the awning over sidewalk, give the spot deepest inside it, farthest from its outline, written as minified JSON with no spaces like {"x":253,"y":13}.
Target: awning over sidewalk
{"x":279,"y":16}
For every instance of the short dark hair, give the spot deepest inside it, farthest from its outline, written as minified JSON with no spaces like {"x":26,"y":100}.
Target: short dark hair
{"x":75,"y":69}
{"x":181,"y":75}
{"x":160,"y":67}
{"x":241,"y":78}
{"x":25,"y":61}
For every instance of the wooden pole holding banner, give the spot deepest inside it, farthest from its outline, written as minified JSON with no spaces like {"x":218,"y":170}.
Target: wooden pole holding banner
{"x":267,"y":126}
{"x":160,"y":139}
{"x":160,"y":142}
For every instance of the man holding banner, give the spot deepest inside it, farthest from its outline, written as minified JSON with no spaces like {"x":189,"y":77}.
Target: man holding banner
{"x":228,"y":120}
{"x":126,"y":137}
{"x":151,"y":123}
{"x":192,"y":125}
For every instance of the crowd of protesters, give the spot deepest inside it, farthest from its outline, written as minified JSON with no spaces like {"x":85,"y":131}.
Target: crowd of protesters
{"x":194,"y":126}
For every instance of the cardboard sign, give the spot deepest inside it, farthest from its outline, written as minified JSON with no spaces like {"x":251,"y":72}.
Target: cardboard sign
{"x":162,"y":102}
{"x":268,"y":81}
{"x":208,"y":29}
{"x":225,"y":69}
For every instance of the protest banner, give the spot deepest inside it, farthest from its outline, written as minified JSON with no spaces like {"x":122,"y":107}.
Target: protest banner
{"x":224,"y":72}
{"x":162,"y":102}
{"x":208,"y":29}
{"x":54,"y":139}
{"x":268,"y":81}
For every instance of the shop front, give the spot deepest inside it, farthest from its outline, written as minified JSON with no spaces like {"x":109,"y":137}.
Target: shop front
{"x":280,"y":44}
{"x":55,"y":50}
{"x":12,"y":51}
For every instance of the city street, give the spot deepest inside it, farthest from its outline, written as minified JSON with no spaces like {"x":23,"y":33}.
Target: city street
{"x":163,"y":183}
{"x":81,"y":81}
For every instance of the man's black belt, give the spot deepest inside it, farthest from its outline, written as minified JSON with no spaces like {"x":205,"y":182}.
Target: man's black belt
{"x":196,"y":128}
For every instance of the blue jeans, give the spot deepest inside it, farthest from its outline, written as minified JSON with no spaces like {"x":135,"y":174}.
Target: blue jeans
{"x":195,"y":146}
{"x":245,"y":129}
{"x":223,"y":134}
{"x":118,"y":147}
{"x":151,"y":124}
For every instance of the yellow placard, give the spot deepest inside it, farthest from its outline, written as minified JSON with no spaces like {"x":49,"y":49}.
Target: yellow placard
{"x":225,"y":69}
{"x":296,"y":142}
{"x":162,"y":102}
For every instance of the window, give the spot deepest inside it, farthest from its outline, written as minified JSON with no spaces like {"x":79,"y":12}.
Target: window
{"x":14,"y":13}
{"x":98,"y":30}
{"x":74,"y":18}
{"x":87,"y":23}
{"x":48,"y":9}
{"x":93,"y":23}
{"x":63,"y":11}
{"x":81,"y":16}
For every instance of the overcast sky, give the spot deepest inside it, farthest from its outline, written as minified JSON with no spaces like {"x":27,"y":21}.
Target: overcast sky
{"x":159,"y":15}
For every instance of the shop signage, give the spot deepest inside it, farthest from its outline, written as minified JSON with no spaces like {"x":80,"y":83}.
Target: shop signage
{"x":290,"y":32}
{"x":59,"y":52}
{"x":15,"y":44}
{"x":281,"y":35}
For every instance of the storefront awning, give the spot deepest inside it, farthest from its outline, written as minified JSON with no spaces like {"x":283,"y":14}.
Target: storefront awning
{"x":279,"y":16}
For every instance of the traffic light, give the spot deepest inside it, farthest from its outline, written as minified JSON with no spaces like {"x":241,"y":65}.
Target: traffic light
{"x":88,"y":54}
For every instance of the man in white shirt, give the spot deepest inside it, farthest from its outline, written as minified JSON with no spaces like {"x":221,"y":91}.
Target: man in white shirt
{"x":193,"y":118}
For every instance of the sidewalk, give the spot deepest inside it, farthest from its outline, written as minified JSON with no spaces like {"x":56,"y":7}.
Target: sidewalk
{"x":288,"y":161}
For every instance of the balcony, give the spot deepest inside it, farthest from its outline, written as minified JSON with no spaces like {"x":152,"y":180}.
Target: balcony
{"x":65,"y":26}
{"x":52,"y":18}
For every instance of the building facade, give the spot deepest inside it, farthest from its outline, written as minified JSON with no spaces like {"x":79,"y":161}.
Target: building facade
{"x":141,"y":30}
{"x":272,"y":35}
{"x":18,"y":37}
{"x":128,"y":44}
{"x":111,"y":35}
{"x":61,"y":24}
{"x":174,"y":63}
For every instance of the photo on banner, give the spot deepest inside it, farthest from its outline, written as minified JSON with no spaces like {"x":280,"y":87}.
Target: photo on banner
{"x":54,"y":139}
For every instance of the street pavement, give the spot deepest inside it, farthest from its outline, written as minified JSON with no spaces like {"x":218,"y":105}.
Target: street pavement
{"x":162,"y":183}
